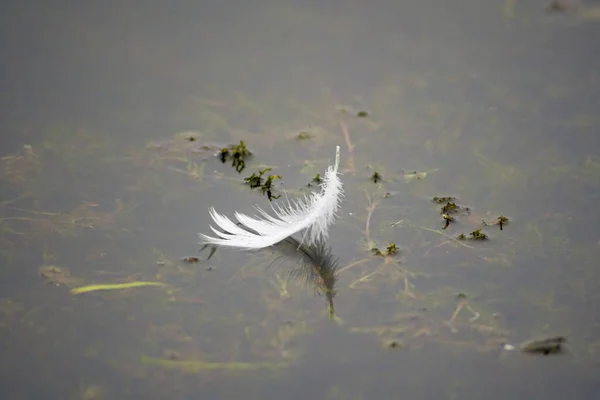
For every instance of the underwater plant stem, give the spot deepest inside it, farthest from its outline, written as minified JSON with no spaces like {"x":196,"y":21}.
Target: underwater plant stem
{"x":350,"y":146}
{"x":10,"y":201}
{"x":355,"y":263}
{"x":440,"y":233}
{"x":370,"y":211}
{"x":457,"y":311}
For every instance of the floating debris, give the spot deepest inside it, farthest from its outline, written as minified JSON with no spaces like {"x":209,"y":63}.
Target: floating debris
{"x":377,"y":252}
{"x":200,"y":366}
{"x":54,"y":275}
{"x":390,"y":250}
{"x":317,"y":179}
{"x":376,"y":177}
{"x":303,"y":135}
{"x":475,"y":235}
{"x":224,"y":154}
{"x":266,"y":186}
{"x":547,"y":346}
{"x":478,"y":235}
{"x":410,"y":176}
{"x":502,"y":220}
{"x":256,"y":180}
{"x":115,"y":286}
{"x":394,"y":344}
{"x":238,"y":155}
{"x":443,"y":199}
{"x":397,"y":223}
{"x":362,"y":114}
{"x":450,"y":207}
{"x":191,"y":260}
{"x":447,"y":218}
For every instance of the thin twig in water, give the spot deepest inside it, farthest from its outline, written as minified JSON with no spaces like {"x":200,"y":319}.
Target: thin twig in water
{"x":364,"y":278}
{"x":347,"y":136}
{"x":435,"y":247}
{"x":370,"y":210}
{"x":439,"y":233}
{"x":355,"y":263}
{"x":461,"y":306}
{"x":29,"y":211}
{"x":458,"y":310}
{"x":7,"y":202}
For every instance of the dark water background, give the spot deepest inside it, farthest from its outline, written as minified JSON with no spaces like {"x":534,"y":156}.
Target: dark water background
{"x":495,"y":103}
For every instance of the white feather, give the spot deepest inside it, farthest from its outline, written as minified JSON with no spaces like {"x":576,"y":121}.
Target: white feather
{"x":314,"y":214}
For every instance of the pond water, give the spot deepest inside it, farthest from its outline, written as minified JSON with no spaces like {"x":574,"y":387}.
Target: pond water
{"x":114,"y":117}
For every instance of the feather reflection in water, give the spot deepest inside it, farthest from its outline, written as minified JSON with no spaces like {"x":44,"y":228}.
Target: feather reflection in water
{"x":313,"y":264}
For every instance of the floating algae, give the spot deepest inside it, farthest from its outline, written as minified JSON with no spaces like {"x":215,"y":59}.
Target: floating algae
{"x":196,"y":366}
{"x":114,"y":286}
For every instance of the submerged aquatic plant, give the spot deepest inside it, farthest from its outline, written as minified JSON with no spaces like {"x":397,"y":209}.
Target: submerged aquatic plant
{"x":238,"y":154}
{"x":256,"y":181}
{"x":312,"y":214}
{"x":376,"y":177}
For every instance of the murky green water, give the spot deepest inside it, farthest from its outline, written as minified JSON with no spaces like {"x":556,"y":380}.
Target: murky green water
{"x":112,"y":114}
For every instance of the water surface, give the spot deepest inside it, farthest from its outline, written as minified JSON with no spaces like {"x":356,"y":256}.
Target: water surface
{"x":112,"y":114}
